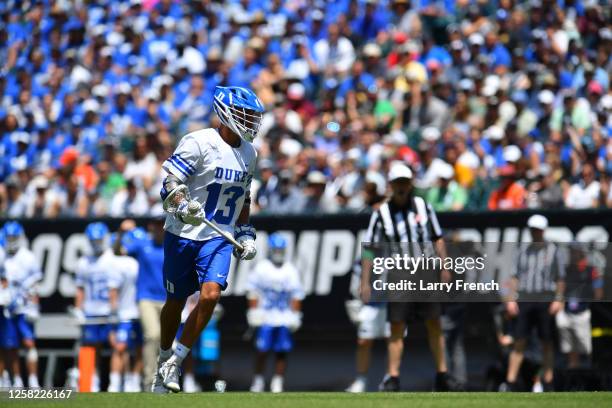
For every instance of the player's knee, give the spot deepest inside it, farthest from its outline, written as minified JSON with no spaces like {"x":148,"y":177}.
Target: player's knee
{"x":32,"y":355}
{"x":519,"y":345}
{"x":210,"y":294}
{"x":120,"y":347}
{"x":364,"y":342}
{"x":397,"y":331}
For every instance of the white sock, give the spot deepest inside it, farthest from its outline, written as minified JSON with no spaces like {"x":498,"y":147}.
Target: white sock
{"x":361,"y":378}
{"x":115,"y":380}
{"x":180,"y":352}
{"x":33,"y":381}
{"x":17,"y":382}
{"x":95,"y":383}
{"x":165,"y":354}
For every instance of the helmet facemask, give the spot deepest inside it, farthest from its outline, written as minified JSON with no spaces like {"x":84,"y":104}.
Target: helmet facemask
{"x":277,"y":256}
{"x":13,"y":243}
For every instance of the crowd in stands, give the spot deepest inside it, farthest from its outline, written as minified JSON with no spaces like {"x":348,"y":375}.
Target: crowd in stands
{"x":493,"y":104}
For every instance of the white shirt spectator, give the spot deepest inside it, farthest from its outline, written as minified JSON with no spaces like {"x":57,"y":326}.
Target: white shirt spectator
{"x":340,"y":56}
{"x":580,"y":196}
{"x":123,"y":206}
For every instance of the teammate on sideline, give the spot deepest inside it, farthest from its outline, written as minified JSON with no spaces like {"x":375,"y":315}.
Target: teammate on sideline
{"x":150,"y":293}
{"x":92,"y":298}
{"x":127,"y":338}
{"x":216,"y":166}
{"x":275,"y":294}
{"x":22,"y":273}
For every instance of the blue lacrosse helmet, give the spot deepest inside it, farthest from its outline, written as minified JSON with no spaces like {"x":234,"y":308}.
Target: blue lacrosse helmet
{"x":98,"y":235}
{"x":277,"y":245}
{"x":12,"y":232}
{"x":239,"y":109}
{"x":134,"y":238}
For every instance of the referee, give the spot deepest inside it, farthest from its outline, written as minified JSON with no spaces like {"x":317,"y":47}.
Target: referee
{"x":538,"y":272}
{"x":407,"y":218}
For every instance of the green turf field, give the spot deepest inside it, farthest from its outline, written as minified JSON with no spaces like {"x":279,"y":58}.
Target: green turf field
{"x":332,"y":400}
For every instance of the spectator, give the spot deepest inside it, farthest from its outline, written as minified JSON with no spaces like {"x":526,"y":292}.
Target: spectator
{"x":448,"y":195}
{"x":584,"y":193}
{"x":510,"y":195}
{"x":130,"y":202}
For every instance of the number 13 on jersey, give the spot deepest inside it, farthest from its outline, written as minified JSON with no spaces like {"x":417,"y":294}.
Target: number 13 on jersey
{"x":216,"y":210}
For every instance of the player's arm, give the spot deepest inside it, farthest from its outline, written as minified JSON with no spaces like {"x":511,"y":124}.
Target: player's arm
{"x":174,"y":193}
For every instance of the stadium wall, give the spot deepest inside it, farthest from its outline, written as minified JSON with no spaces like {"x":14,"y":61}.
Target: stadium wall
{"x":324,"y":248}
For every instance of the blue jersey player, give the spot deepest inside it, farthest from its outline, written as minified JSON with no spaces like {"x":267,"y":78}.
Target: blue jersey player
{"x":209,"y":176}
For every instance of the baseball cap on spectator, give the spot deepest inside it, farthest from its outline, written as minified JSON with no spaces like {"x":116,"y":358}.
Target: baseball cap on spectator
{"x":538,"y":222}
{"x":546,"y":97}
{"x":372,"y":50}
{"x":91,"y":105}
{"x":296,"y":91}
{"x":317,"y":15}
{"x":69,"y":156}
{"x":40,"y":183}
{"x":506,"y":170}
{"x":100,"y":91}
{"x":466,"y":84}
{"x":21,"y":137}
{"x":316,"y":177}
{"x":456,"y":45}
{"x":396,"y":137}
{"x":430,"y":134}
{"x":399,"y":171}
{"x":494,"y":133}
{"x":511,"y":153}
{"x":265,"y":164}
{"x":446,"y":171}
{"x":595,"y":87}
{"x":123,"y":88}
{"x":476,"y":39}
{"x":519,"y":97}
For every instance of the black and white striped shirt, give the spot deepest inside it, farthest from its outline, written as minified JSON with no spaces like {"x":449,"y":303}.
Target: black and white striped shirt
{"x":538,"y":267}
{"x":415,"y":223}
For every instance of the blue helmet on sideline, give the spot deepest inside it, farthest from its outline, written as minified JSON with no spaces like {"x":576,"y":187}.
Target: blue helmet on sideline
{"x":277,"y":244}
{"x":12,"y":234}
{"x":98,"y":235}
{"x":239,"y":109}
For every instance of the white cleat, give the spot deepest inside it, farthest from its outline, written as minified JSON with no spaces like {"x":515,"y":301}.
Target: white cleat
{"x":157,"y":386}
{"x":358,"y":386}
{"x":258,"y":384}
{"x":190,"y":385}
{"x":170,"y":374}
{"x":276,"y":385}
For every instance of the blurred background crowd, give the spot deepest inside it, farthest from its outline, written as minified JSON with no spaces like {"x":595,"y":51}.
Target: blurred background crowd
{"x":493,"y":104}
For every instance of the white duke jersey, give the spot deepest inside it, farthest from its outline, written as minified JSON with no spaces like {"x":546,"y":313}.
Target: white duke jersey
{"x":93,"y":274}
{"x":22,"y":272}
{"x":217,"y":175}
{"x":123,"y":278}
{"x":275,"y":287}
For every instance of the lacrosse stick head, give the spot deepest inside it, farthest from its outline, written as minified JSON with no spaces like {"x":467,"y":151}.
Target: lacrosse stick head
{"x":175,"y":198}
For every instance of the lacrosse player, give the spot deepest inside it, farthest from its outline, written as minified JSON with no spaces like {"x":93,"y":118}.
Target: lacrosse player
{"x":22,"y":273}
{"x":127,"y":338}
{"x":275,"y":294}
{"x":92,"y":308}
{"x":209,"y":179}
